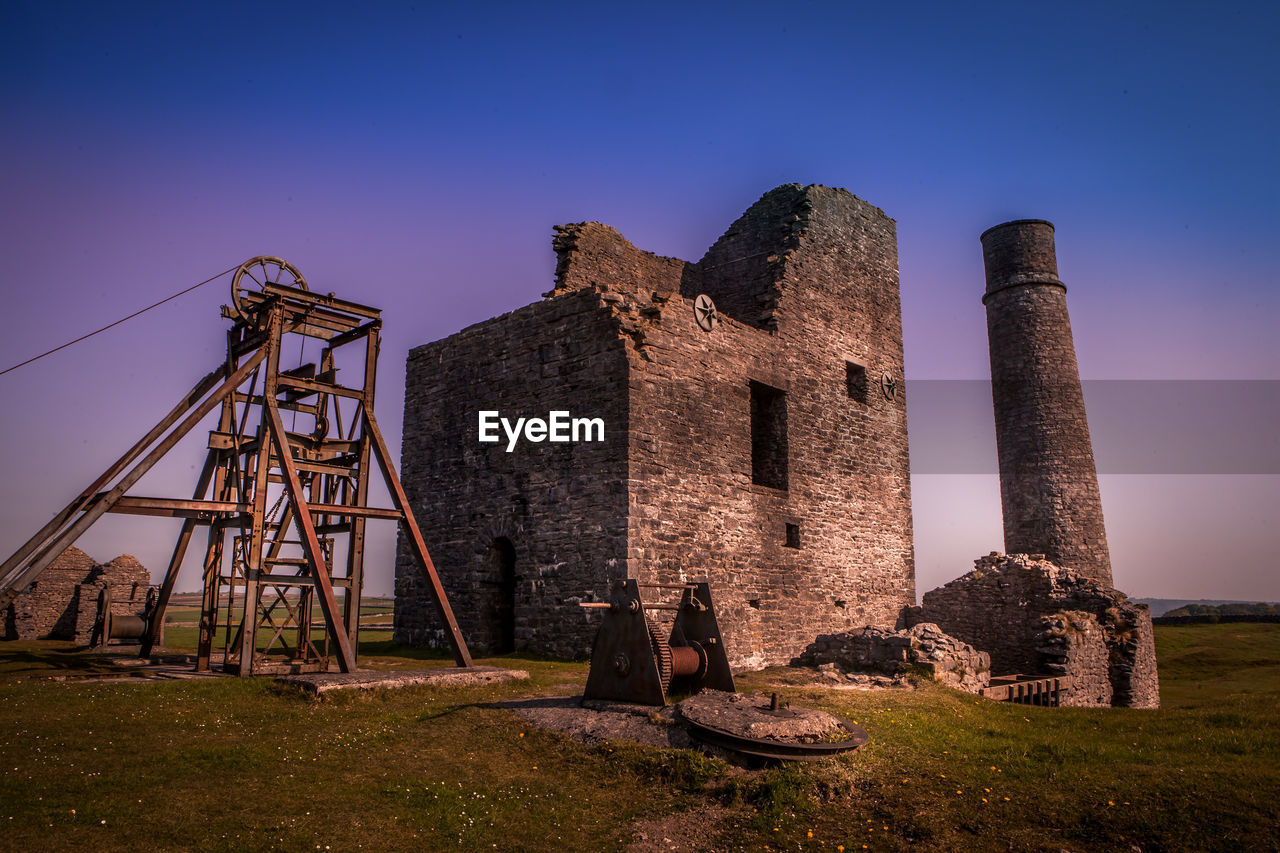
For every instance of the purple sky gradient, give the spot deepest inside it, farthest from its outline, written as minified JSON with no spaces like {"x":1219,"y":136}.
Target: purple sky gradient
{"x":415,"y":156}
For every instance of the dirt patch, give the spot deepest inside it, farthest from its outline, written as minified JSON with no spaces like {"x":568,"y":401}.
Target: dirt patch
{"x":319,"y":683}
{"x":690,"y":831}
{"x":596,"y":722}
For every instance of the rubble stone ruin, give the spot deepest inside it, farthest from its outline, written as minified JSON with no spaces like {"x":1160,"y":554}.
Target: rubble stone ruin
{"x":62,"y":602}
{"x":1034,"y":616}
{"x":741,"y":420}
{"x":762,"y":447}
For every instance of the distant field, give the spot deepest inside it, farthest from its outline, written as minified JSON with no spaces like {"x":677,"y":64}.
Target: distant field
{"x":244,"y":764}
{"x":182,"y":620}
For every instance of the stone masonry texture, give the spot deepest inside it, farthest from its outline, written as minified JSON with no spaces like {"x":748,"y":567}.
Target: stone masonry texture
{"x":1072,"y":643}
{"x":813,"y":536}
{"x":62,"y":602}
{"x":1048,"y":482}
{"x":1035,"y":617}
{"x":924,"y":646}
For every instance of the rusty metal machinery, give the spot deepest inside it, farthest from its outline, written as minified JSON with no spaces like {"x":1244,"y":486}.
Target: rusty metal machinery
{"x":285,"y":507}
{"x":123,"y":627}
{"x":635,"y":660}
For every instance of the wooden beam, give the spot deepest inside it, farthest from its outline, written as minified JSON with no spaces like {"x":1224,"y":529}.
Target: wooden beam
{"x":82,"y":500}
{"x":310,"y":542}
{"x":200,"y":510}
{"x":98,"y":507}
{"x":416,"y":543}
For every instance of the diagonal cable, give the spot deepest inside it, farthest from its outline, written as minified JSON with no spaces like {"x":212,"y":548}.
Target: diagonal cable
{"x":118,"y":322}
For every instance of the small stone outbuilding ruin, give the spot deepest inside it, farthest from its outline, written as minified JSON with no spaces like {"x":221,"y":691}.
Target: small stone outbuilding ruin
{"x":923,"y":646}
{"x":1032,"y":616}
{"x":62,"y":602}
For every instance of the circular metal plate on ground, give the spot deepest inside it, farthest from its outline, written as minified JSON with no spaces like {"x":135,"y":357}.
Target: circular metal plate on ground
{"x":750,"y":724}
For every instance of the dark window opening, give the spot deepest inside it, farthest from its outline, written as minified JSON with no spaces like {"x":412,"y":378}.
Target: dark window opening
{"x":841,"y":603}
{"x":768,"y":436}
{"x":855,"y":377}
{"x":502,"y":569}
{"x":754,"y":603}
{"x":793,"y":536}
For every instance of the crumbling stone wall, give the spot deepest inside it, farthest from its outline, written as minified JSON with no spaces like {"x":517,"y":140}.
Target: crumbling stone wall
{"x":1073,"y":644}
{"x":696,"y":511}
{"x":807,"y":287}
{"x":63,"y":601}
{"x":1000,"y":607}
{"x":924,"y":646}
{"x":1135,"y":681}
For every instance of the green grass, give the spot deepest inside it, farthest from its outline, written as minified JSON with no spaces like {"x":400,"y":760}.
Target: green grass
{"x":233,"y":764}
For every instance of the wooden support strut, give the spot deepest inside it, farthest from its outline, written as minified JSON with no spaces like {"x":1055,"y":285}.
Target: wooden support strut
{"x":310,"y":542}
{"x":459,"y":645}
{"x":96,"y":507}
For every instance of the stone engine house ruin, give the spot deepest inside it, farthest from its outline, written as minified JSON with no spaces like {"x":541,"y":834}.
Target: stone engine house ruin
{"x":755,"y":436}
{"x":762,"y":447}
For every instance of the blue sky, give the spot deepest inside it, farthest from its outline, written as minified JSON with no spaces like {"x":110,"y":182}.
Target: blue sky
{"x":415,"y":156}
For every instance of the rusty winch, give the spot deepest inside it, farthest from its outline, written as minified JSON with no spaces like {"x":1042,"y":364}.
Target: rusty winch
{"x":126,"y":627}
{"x":635,"y":660}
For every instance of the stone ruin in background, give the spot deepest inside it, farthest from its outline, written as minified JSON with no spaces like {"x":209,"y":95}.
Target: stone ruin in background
{"x":1033,"y":616}
{"x":1026,"y":615}
{"x":62,"y":603}
{"x":755,"y":435}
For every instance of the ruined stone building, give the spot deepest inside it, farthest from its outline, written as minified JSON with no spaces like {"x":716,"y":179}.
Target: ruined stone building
{"x":741,"y":420}
{"x":62,"y":602}
{"x":754,"y":435}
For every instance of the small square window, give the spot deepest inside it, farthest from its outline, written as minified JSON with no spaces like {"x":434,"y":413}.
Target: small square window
{"x":793,"y":536}
{"x":855,"y":377}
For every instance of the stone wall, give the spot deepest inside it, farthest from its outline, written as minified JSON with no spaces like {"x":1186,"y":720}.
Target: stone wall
{"x":558,"y":512}
{"x":62,"y":602}
{"x":696,"y":510}
{"x":925,"y":646}
{"x":1073,"y":644}
{"x":807,"y":285}
{"x":1000,"y":607}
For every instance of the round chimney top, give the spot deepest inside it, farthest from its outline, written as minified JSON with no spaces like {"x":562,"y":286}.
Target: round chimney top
{"x":1018,"y":253}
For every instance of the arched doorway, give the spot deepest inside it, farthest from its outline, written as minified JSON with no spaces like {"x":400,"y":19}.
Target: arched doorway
{"x":501,"y":558}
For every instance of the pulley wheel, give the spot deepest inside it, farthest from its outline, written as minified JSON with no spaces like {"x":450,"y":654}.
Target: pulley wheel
{"x":255,"y":274}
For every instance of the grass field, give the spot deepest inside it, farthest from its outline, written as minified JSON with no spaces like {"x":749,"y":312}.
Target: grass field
{"x":231,"y":764}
